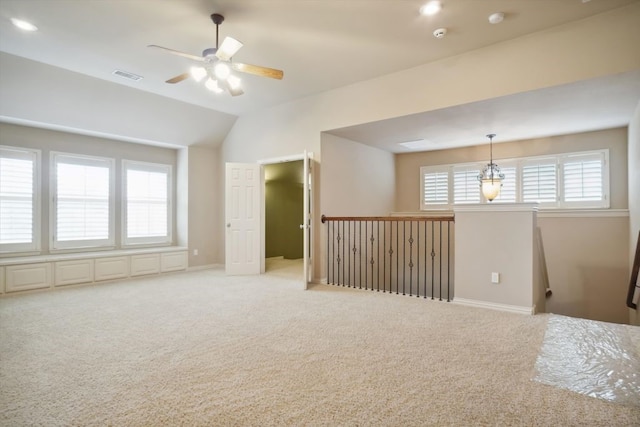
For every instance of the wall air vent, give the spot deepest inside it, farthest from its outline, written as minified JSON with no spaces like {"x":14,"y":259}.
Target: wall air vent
{"x":127,"y":75}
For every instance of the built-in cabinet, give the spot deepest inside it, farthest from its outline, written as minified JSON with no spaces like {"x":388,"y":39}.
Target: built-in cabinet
{"x":22,"y":274}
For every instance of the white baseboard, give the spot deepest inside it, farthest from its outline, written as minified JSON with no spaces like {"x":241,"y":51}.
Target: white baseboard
{"x":494,"y":306}
{"x":205,"y":267}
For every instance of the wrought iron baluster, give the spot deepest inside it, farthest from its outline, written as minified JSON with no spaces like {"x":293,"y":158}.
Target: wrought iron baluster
{"x":448,"y":261}
{"x":440,"y":252}
{"x":433,"y":256}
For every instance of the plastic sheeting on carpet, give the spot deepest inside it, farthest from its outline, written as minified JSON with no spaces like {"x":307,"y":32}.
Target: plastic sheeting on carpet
{"x":594,"y":358}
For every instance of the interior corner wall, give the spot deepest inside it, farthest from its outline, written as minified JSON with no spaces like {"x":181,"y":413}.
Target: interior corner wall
{"x":204,"y":222}
{"x":615,"y":140}
{"x":602,"y":45}
{"x":357,"y":180}
{"x":634,"y":195}
{"x":47,"y":141}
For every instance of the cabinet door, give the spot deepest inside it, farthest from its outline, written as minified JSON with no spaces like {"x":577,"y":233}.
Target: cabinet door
{"x":173,"y":261}
{"x":27,"y":276}
{"x":73,"y":272}
{"x":145,"y":264}
{"x":111,"y":268}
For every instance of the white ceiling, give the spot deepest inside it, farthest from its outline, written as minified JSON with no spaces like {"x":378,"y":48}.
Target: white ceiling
{"x":320,"y":45}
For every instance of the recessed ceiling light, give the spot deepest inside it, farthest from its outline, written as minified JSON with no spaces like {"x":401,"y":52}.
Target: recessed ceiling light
{"x":23,"y":25}
{"x":431,"y":8}
{"x":496,"y":18}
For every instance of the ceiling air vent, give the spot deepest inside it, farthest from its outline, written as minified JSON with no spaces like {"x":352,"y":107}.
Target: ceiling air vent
{"x":127,"y":75}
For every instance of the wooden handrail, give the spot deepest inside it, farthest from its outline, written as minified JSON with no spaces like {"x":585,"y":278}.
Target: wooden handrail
{"x":633,"y":282}
{"x":386,"y":218}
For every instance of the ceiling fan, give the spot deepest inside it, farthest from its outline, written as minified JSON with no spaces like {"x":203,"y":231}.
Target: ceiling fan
{"x":217,"y":65}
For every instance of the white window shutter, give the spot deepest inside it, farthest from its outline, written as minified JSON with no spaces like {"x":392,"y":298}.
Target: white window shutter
{"x":435,"y":188}
{"x":466,"y":187}
{"x":147,"y":204}
{"x":539,"y":181}
{"x":508,"y":192}
{"x":583,"y":178}
{"x":83,"y":199}
{"x":17,"y":199}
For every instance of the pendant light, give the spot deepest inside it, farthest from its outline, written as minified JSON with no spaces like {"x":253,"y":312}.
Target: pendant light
{"x":491,"y":178}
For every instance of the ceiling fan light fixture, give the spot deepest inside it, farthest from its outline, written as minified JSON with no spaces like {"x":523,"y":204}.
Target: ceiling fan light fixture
{"x":234,"y":82}
{"x":212,"y":85}
{"x":221,"y":70}
{"x":198,"y":73}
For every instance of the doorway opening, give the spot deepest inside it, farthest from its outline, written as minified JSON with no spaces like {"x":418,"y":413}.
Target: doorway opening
{"x":283,"y":216}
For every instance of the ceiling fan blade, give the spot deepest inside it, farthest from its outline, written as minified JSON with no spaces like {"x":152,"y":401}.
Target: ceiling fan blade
{"x":258,"y":70}
{"x":178,"y":79}
{"x":177,"y":52}
{"x":228,"y":48}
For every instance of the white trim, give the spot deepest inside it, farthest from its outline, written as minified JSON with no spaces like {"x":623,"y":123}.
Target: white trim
{"x":88,"y":255}
{"x":500,"y":207}
{"x":36,"y":238}
{"x":542,"y":213}
{"x":582,"y":213}
{"x":206,"y":267}
{"x":283,"y":159}
{"x":132,"y":242}
{"x":495,"y":306}
{"x":56,"y":157}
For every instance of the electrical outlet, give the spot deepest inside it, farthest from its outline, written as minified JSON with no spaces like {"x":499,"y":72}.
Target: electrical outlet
{"x":195,"y":252}
{"x":495,"y":277}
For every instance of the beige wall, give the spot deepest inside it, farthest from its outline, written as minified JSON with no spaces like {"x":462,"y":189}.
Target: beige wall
{"x":570,"y":244}
{"x":602,"y":45}
{"x":49,"y":140}
{"x":497,"y":239}
{"x":408,"y":165}
{"x":284,"y":191}
{"x":357,"y":180}
{"x":203,"y":216}
{"x":588,"y":266}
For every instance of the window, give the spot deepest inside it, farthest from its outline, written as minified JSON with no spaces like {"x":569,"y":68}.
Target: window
{"x":508,"y":192}
{"x":466,"y":187}
{"x":583,"y":179}
{"x":435,"y":187}
{"x":539,"y":182}
{"x":19,"y":200}
{"x":574,"y":180}
{"x":83,"y":210}
{"x":147,"y":203}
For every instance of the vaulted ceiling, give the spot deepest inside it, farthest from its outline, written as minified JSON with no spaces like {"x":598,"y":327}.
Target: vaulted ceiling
{"x":320,"y":45}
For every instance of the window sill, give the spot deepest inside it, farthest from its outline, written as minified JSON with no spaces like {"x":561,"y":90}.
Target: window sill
{"x":544,"y":213}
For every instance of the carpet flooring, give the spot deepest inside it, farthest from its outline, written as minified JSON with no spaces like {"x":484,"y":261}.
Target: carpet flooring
{"x":204,"y":349}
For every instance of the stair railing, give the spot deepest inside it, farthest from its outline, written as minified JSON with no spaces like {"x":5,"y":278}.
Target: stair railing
{"x":408,"y":255}
{"x":633,"y":282}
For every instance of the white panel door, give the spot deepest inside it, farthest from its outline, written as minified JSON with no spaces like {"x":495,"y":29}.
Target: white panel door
{"x":242,"y":218}
{"x":307,"y":225}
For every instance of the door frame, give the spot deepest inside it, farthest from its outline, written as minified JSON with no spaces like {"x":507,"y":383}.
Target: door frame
{"x":271,"y":161}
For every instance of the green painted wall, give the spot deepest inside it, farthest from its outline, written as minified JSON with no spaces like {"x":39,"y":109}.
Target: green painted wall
{"x":283,"y":210}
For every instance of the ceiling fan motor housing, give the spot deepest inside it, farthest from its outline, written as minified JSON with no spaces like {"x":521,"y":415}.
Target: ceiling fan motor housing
{"x":209,"y":52}
{"x":217,"y":18}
